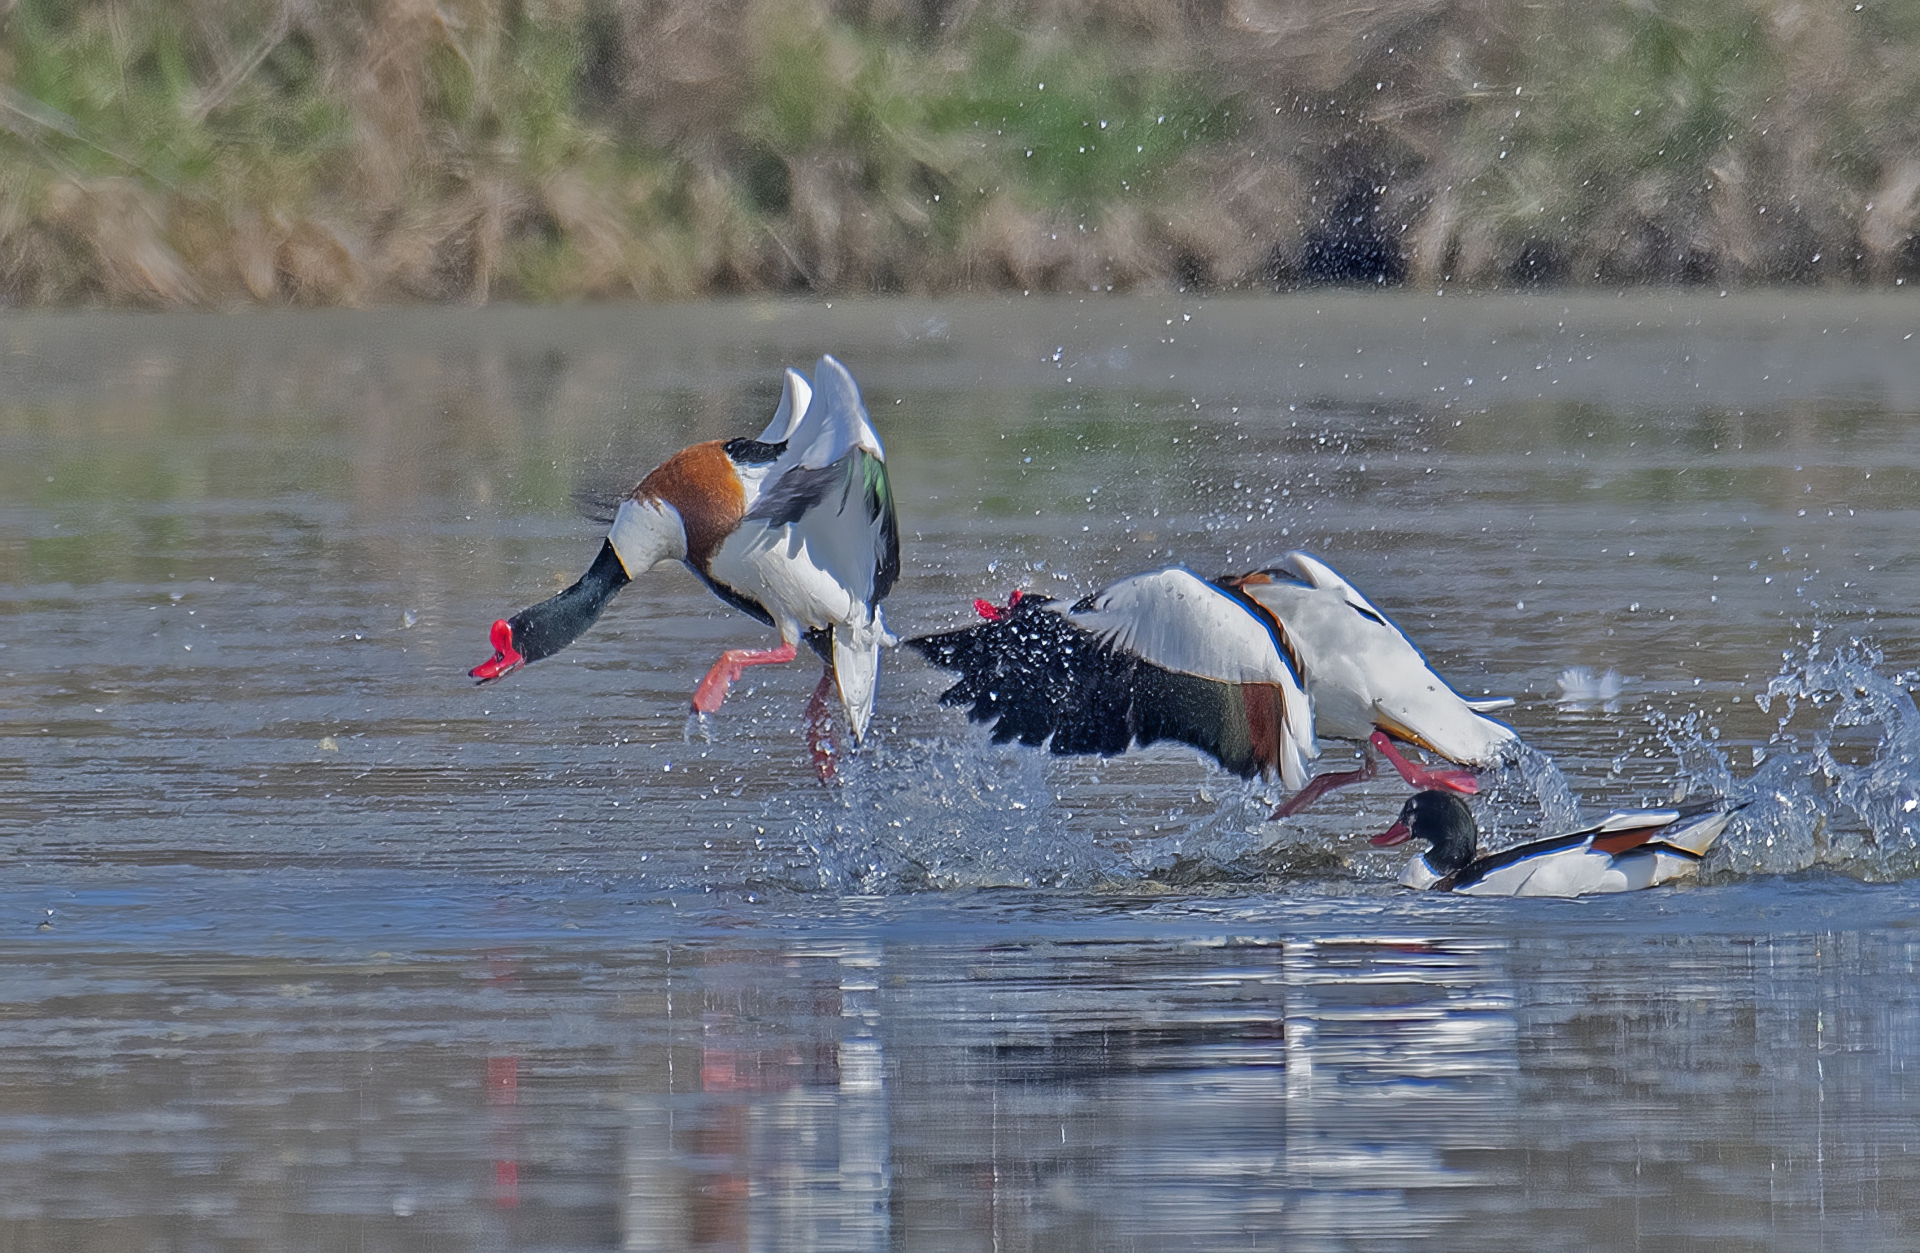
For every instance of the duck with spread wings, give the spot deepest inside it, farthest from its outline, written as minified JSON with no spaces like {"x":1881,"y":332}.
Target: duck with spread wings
{"x":795,"y":528}
{"x":1250,"y":669}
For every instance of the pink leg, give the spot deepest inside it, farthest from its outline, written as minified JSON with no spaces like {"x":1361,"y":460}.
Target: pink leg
{"x":820,"y":728}
{"x":713,"y":688}
{"x":1321,"y":784}
{"x":1423,"y":777}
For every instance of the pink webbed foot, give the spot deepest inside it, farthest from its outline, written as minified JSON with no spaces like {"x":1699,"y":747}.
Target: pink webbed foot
{"x":1450,"y":778}
{"x":713,"y":689}
{"x":819,"y":733}
{"x":1321,"y":784}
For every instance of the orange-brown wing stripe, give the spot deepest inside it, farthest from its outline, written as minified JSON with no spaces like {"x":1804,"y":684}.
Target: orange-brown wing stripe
{"x":1621,"y":841}
{"x":1264,"y":711}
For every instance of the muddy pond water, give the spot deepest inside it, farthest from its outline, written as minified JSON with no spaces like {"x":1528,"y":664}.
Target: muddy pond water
{"x":306,"y":941}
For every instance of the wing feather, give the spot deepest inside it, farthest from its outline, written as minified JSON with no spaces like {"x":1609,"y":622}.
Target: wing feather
{"x":1316,"y":573}
{"x":835,"y":423}
{"x":1040,"y":677}
{"x":1178,"y":621}
{"x":795,"y":394}
{"x":843,"y":515}
{"x":830,"y":486}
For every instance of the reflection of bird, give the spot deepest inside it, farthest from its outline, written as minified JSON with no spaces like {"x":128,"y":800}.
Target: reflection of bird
{"x":1247,"y":668}
{"x":1628,"y":849}
{"x":795,"y":528}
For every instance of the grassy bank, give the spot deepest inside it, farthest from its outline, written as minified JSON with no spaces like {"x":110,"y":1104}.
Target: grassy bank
{"x":219,"y":151}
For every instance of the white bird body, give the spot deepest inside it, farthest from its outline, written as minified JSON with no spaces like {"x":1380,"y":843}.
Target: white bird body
{"x":1365,"y":675}
{"x":816,"y":545}
{"x":1623,"y":852}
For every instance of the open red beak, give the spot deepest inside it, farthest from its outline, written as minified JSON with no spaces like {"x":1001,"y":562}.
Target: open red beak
{"x":506,"y":658}
{"x":1398,"y":833}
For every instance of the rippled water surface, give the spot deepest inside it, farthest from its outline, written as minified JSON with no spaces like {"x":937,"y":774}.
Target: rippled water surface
{"x":306,"y":941}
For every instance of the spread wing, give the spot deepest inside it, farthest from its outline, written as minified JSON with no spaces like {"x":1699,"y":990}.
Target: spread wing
{"x":1178,"y":621}
{"x":795,"y":395}
{"x":1160,"y":656}
{"x":831,"y":488}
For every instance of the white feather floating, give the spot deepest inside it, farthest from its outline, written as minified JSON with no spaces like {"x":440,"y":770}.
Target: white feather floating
{"x":1578,"y":683}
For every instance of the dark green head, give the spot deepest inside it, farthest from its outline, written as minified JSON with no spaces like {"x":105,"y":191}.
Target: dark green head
{"x":1443,"y":820}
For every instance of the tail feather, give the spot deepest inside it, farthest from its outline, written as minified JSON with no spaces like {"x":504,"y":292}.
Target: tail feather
{"x":856,"y":670}
{"x":1696,"y":829}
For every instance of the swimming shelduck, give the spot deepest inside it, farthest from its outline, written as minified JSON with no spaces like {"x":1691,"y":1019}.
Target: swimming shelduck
{"x":795,"y":528}
{"x":1248,"y":668}
{"x":1626,"y":850}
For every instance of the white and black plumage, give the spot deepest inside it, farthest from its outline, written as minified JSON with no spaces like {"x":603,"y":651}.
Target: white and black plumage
{"x":795,"y":528}
{"x":1625,"y":851}
{"x":1249,"y":669}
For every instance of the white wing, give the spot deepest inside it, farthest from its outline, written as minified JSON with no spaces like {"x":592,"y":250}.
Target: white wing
{"x":834,"y":527}
{"x":795,"y":393}
{"x":827,"y":503}
{"x":1635,"y":820}
{"x":835,"y":424}
{"x":1178,"y":621}
{"x":1316,"y":573}
{"x":1696,"y":832}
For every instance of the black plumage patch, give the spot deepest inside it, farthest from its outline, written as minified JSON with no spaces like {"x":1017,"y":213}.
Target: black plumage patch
{"x":1040,"y":679}
{"x":751,"y":452}
{"x":789,"y":497}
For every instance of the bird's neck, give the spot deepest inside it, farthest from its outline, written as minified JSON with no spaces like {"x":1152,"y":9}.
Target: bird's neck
{"x":544,"y":629}
{"x":646,"y":532}
{"x":1454,"y":849}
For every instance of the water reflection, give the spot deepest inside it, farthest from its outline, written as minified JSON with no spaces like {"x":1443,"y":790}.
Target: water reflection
{"x":778,"y":1138}
{"x":1535,"y":1077}
{"x":1401,"y":1083}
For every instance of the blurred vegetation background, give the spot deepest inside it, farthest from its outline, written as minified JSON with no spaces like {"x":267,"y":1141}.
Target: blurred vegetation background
{"x":169,"y":152}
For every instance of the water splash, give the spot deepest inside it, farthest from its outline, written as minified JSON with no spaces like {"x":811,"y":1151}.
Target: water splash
{"x":1836,"y":785}
{"x":1525,"y":798}
{"x":1216,"y":844}
{"x":1558,"y":806}
{"x":934,"y":815}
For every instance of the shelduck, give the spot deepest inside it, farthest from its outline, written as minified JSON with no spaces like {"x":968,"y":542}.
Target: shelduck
{"x":795,"y":527}
{"x":1249,"y":669}
{"x":1626,"y":850}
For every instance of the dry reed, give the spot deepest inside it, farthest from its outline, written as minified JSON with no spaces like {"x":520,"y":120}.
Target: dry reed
{"x":277,"y":151}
